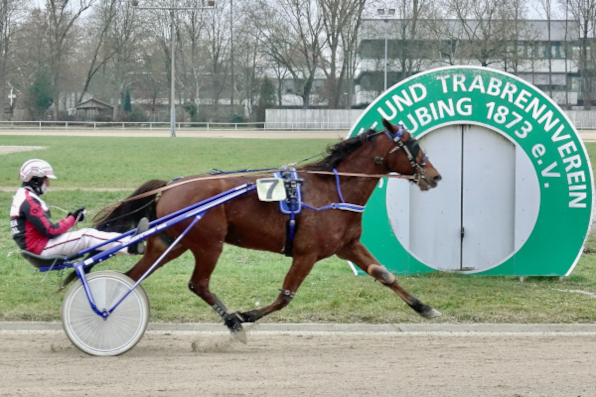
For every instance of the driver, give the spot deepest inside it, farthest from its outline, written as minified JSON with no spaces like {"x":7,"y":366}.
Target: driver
{"x":34,"y":232}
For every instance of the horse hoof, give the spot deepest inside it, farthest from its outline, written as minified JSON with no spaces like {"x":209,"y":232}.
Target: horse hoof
{"x":240,"y":335}
{"x":250,"y":316}
{"x":429,"y":312}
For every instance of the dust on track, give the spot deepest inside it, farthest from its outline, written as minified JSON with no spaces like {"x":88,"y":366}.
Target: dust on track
{"x":310,"y":364}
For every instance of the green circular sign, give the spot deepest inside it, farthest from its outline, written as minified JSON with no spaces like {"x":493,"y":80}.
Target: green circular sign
{"x":518,"y":111}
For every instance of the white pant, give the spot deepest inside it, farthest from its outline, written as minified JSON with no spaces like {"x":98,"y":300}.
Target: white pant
{"x":79,"y":240}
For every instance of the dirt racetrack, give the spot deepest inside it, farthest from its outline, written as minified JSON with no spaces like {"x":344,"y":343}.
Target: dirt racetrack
{"x":178,"y":363}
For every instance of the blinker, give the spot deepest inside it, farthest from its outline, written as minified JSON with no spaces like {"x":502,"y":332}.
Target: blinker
{"x":413,"y":146}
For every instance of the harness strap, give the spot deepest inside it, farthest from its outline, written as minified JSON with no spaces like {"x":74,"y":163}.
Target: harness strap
{"x":294,"y":206}
{"x":338,"y":186}
{"x":338,"y":206}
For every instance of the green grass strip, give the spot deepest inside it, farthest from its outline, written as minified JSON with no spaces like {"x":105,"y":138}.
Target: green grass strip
{"x":246,"y":279}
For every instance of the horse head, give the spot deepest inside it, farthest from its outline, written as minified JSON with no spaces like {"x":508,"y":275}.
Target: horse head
{"x":407,"y":157}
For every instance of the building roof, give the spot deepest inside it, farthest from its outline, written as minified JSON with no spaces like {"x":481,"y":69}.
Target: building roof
{"x":94,"y":104}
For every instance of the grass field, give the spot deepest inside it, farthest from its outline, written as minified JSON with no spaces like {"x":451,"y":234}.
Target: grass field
{"x":245,"y":279}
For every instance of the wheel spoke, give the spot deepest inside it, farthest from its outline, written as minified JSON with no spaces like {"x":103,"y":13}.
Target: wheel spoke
{"x":121,"y":330}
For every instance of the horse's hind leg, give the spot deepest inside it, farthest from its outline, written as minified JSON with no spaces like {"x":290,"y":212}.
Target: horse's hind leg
{"x":205,"y":261}
{"x":358,"y":254}
{"x":301,"y":267}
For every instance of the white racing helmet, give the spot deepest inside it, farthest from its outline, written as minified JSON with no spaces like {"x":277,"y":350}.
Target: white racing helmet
{"x":36,"y":168}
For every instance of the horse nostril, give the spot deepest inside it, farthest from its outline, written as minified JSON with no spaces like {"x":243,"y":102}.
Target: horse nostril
{"x":437,"y":178}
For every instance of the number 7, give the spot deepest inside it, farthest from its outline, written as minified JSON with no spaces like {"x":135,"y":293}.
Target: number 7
{"x":518,"y":118}
{"x":274,"y":183}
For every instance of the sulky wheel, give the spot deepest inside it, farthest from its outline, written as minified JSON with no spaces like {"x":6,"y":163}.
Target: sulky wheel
{"x":121,"y":330}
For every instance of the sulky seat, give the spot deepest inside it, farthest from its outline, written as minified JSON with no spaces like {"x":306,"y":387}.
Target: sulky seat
{"x":42,"y":261}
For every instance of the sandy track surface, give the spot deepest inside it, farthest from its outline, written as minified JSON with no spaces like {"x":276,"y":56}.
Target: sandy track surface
{"x":588,"y":135}
{"x":304,"y":364}
{"x":16,"y":149}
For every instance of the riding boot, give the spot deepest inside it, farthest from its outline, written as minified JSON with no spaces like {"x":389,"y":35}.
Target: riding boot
{"x":139,"y":247}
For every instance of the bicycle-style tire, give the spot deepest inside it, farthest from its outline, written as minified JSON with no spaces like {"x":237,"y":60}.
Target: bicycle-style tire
{"x":121,"y":330}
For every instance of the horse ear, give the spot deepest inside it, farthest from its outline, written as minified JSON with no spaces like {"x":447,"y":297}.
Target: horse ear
{"x":389,"y":126}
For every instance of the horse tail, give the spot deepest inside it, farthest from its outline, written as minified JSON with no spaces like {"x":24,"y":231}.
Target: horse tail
{"x":126,"y":214}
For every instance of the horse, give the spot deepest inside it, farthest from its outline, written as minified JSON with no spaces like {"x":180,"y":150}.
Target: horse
{"x":250,"y":223}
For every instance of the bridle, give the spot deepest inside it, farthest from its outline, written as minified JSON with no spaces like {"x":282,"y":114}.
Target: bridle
{"x":411,"y":149}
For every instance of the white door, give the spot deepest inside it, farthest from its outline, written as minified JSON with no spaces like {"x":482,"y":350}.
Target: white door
{"x":488,"y":207}
{"x":474,"y":219}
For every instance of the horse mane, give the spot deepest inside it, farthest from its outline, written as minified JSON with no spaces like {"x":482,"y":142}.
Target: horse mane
{"x":338,"y":152}
{"x":124,"y":216}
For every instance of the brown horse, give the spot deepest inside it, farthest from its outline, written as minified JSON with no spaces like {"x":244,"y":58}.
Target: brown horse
{"x":249,"y":223}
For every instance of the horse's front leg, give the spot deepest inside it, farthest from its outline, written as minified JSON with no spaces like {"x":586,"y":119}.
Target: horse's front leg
{"x":358,"y":254}
{"x":301,"y":267}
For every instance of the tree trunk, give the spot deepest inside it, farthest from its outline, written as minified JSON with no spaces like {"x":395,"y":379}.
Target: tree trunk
{"x":550,"y":61}
{"x":587,"y":98}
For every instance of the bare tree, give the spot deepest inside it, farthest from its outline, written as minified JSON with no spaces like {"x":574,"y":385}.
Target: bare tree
{"x":341,"y":21}
{"x":152,"y":81}
{"x":409,"y":31}
{"x":290,"y":32}
{"x":568,"y":44}
{"x":584,"y":12}
{"x":545,"y":8}
{"x":253,"y":66}
{"x":217,"y":52}
{"x":122,"y":51}
{"x":61,"y":16}
{"x":11,"y":15}
{"x":484,"y":28}
{"x":99,"y":30}
{"x":445,"y":36}
{"x":194,"y":26}
{"x":519,"y":33}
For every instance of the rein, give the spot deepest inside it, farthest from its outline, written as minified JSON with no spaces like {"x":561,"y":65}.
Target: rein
{"x":357,"y":175}
{"x":199,"y":178}
{"x":256,"y":173}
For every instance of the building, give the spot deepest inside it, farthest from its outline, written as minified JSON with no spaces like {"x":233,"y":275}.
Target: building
{"x":93,"y":108}
{"x":548,"y":58}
